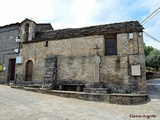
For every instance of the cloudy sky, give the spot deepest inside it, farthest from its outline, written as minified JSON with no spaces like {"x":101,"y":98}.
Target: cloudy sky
{"x":80,"y":13}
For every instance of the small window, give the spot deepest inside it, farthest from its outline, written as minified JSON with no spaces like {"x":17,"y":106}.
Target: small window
{"x":118,"y":65}
{"x":46,"y":45}
{"x":110,"y":46}
{"x":130,"y":36}
{"x":26,"y":31}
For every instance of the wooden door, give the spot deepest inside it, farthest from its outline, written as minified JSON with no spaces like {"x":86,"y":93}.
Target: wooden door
{"x":29,"y":70}
{"x":11,"y":69}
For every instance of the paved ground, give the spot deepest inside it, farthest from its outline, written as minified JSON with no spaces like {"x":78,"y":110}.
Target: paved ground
{"x":153,"y":88}
{"x":24,"y":105}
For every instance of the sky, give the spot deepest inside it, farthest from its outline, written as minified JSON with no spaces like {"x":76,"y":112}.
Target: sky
{"x":81,"y":13}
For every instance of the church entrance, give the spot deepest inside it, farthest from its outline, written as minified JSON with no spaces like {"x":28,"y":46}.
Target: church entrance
{"x":29,"y":70}
{"x":11,"y":70}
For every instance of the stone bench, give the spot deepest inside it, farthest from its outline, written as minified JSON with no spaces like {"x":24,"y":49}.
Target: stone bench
{"x":72,"y":87}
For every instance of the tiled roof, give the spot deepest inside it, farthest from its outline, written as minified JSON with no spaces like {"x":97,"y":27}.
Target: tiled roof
{"x":44,"y":27}
{"x":9,"y":27}
{"x":14,"y":24}
{"x":40,"y":27}
{"x":131,"y":26}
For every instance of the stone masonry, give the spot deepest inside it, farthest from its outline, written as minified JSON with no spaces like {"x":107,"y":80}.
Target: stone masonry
{"x":8,"y":34}
{"x":50,"y":72}
{"x":74,"y":53}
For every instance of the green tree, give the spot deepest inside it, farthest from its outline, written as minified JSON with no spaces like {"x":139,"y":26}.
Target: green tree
{"x":147,"y":49}
{"x":153,"y":59}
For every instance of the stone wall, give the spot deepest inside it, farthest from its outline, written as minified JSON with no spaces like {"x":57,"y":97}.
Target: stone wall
{"x":8,"y":34}
{"x":75,"y":61}
{"x":128,"y":99}
{"x":124,"y":99}
{"x":74,"y":58}
{"x":50,"y":71}
{"x":7,"y":46}
{"x":117,"y":80}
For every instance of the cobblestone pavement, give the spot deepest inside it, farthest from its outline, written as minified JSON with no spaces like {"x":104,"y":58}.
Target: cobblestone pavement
{"x":18,"y":104}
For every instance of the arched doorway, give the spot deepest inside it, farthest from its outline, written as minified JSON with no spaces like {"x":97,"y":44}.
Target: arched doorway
{"x":29,"y":70}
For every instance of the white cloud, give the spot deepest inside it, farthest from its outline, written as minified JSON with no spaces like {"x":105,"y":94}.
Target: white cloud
{"x":111,"y":11}
{"x":18,"y":10}
{"x":152,"y":26}
{"x":150,"y":4}
{"x":150,"y":42}
{"x":80,"y":13}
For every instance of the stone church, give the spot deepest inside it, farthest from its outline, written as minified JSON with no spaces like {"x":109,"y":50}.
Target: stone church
{"x":104,"y":56}
{"x":8,"y":34}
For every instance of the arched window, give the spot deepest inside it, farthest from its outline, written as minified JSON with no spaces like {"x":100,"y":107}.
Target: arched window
{"x":29,"y":70}
{"x":26,"y":31}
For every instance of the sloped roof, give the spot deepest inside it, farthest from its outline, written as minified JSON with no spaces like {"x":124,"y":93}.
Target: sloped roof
{"x":44,"y":27}
{"x":9,"y":27}
{"x":27,"y":20}
{"x":40,"y":27}
{"x":130,"y":26}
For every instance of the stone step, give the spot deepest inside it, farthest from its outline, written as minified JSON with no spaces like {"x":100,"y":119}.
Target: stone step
{"x":97,"y":90}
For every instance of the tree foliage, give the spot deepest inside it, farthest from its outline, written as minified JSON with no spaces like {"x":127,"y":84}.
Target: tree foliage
{"x":153,"y":59}
{"x":147,"y":50}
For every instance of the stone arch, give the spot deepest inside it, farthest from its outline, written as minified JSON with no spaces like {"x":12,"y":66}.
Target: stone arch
{"x":26,"y":31}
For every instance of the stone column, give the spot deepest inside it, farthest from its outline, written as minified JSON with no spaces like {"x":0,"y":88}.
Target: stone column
{"x":97,"y":61}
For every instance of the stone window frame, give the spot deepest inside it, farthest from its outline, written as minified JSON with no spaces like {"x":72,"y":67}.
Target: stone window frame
{"x":130,"y":36}
{"x":113,"y":37}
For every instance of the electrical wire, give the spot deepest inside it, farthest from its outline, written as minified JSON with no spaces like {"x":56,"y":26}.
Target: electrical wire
{"x":151,"y":16}
{"x":151,"y":37}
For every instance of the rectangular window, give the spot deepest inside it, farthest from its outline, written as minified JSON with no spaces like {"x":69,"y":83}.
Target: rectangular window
{"x":130,"y":36}
{"x":110,"y":46}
